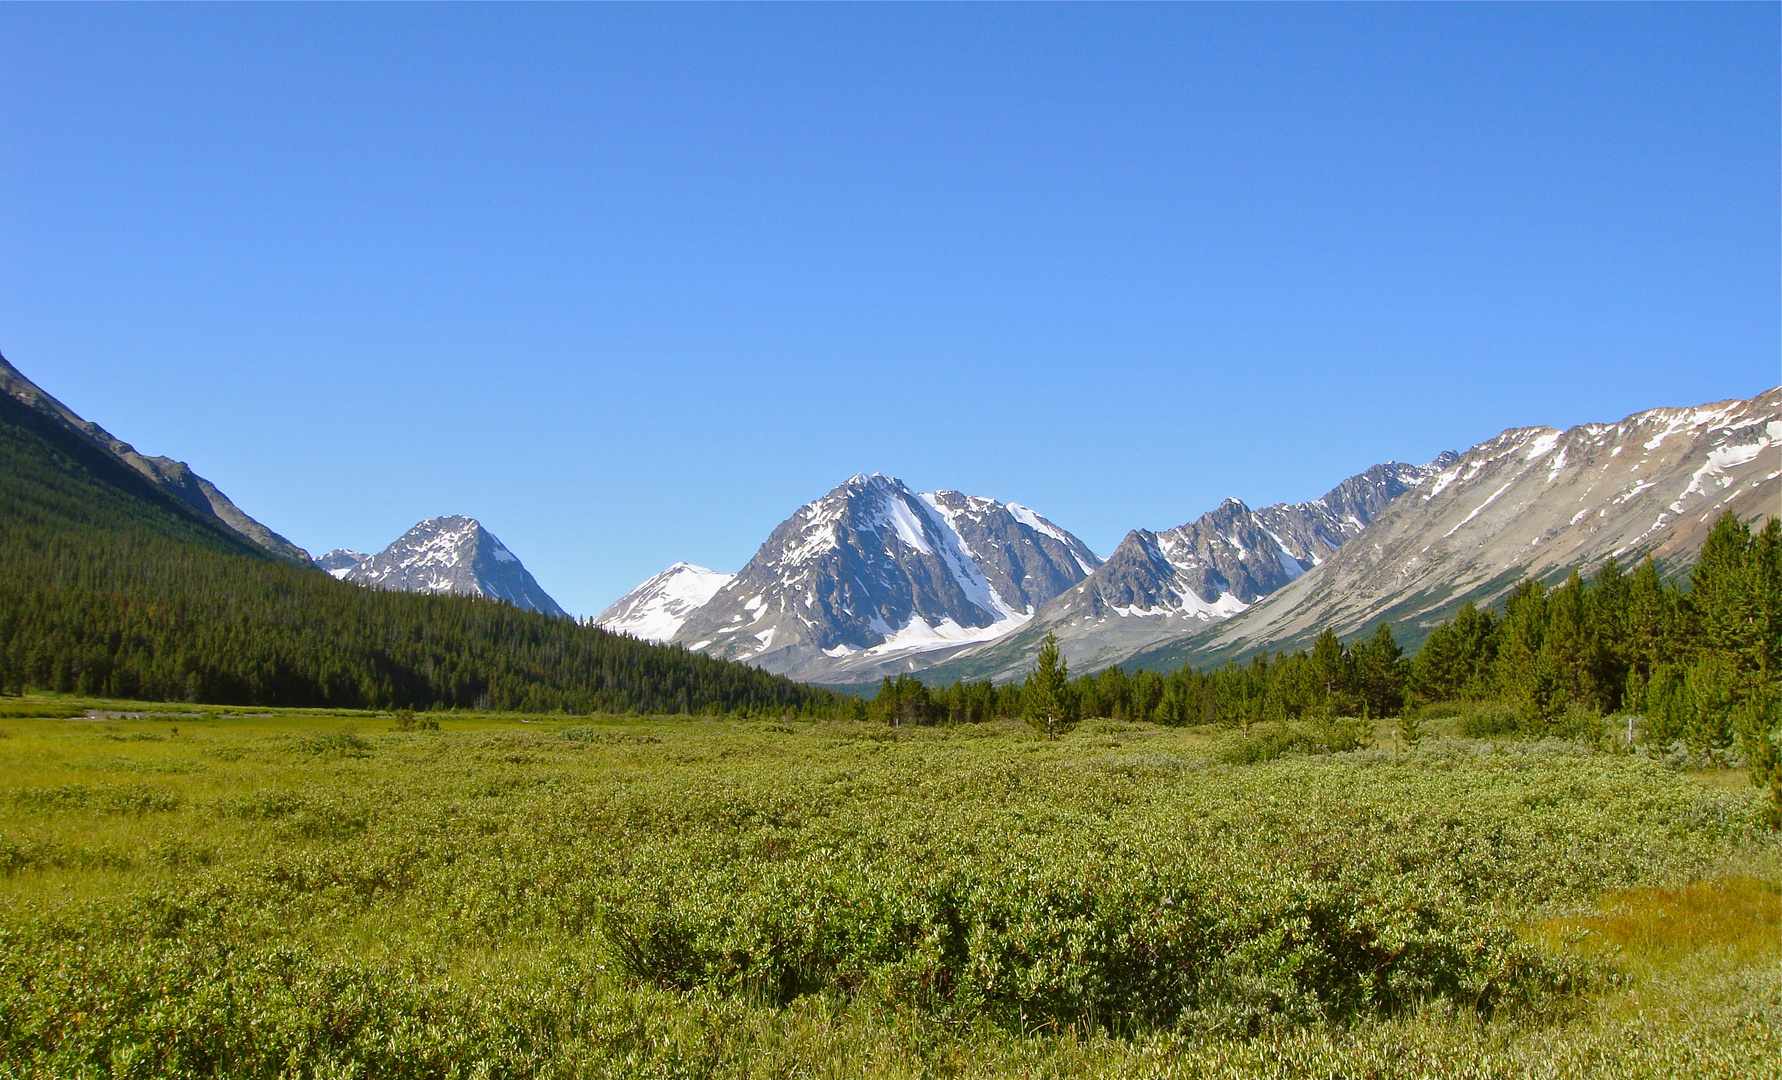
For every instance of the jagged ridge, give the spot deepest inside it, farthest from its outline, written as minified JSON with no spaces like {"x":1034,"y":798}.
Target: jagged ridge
{"x":1531,"y":502}
{"x":1159,"y":586}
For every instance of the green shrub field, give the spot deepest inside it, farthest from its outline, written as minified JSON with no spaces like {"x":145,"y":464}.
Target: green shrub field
{"x":302,"y":894}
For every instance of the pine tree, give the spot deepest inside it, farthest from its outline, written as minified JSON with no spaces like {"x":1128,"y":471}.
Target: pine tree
{"x":1764,"y":752}
{"x":1379,"y":673}
{"x":1727,"y":595}
{"x":1651,"y":624}
{"x":1571,"y":650}
{"x":1045,"y":698}
{"x":1525,"y":673}
{"x":1606,"y":624}
{"x":1436,"y":670}
{"x":1332,"y":674}
{"x":1765,"y":579}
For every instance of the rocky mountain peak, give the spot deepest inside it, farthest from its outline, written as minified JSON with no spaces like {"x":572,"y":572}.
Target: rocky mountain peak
{"x":866,"y":575}
{"x":1159,"y":585}
{"x":340,"y":562}
{"x":451,"y":554}
{"x":1531,"y":502}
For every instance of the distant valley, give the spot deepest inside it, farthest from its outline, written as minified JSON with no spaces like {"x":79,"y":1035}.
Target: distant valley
{"x":873,"y":579}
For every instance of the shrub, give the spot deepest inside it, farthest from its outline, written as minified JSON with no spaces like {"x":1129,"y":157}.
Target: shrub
{"x":1489,"y":720}
{"x":1263,"y":742}
{"x":608,"y":906}
{"x":1266,"y":742}
{"x":334,"y":744}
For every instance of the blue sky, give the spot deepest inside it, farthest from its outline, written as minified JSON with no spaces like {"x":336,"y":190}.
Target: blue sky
{"x":631,"y":283}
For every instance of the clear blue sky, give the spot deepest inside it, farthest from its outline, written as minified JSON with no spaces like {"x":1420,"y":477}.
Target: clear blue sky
{"x":631,"y":283}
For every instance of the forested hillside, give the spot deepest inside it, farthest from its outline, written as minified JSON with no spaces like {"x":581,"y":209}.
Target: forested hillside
{"x":109,"y":587}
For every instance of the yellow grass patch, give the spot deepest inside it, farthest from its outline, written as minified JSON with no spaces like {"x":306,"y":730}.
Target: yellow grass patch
{"x":1740,"y":917}
{"x":1731,"y":779}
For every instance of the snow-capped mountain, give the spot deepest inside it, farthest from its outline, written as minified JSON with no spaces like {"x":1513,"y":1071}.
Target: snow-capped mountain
{"x":872,"y":574}
{"x":1531,"y":502}
{"x":175,"y":478}
{"x":1157,"y":586}
{"x":340,"y":562}
{"x":445,"y":555}
{"x":656,"y":609}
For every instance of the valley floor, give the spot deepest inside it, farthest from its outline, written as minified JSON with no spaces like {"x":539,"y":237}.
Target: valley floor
{"x":206,"y":892}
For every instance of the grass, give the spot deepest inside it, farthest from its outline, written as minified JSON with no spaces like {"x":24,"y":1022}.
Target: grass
{"x":1653,"y":931}
{"x":314,"y":894}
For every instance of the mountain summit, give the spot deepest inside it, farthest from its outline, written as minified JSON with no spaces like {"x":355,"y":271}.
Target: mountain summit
{"x":445,"y":555}
{"x":870,"y":575}
{"x":656,"y":609}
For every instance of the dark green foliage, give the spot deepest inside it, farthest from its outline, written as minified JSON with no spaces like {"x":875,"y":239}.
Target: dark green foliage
{"x":112,"y":589}
{"x":1488,"y":720}
{"x":1457,"y":658}
{"x":1046,"y":699}
{"x":905,"y":700}
{"x":1766,"y":773}
{"x":1379,"y":673}
{"x":1700,"y":664}
{"x":1324,"y":735}
{"x":1330,"y":673}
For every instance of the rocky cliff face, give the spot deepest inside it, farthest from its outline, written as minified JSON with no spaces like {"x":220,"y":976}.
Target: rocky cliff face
{"x":445,"y":555}
{"x":872,"y":576}
{"x":173,"y":477}
{"x":1311,"y":531}
{"x":1531,"y":502}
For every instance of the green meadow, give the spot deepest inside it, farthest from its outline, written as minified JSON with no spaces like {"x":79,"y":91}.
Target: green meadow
{"x":262,"y":892}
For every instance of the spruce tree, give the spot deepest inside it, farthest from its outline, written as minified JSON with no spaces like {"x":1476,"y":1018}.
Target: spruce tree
{"x":1651,"y":622}
{"x":1332,"y":674}
{"x":1379,"y":673}
{"x":1045,"y":698}
{"x":1570,"y":649}
{"x":1525,"y":674}
{"x":1436,"y":672}
{"x":1727,"y":595}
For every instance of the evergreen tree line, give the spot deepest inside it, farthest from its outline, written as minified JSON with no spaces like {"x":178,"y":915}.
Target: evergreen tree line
{"x":1702,"y":664}
{"x":110,"y":588}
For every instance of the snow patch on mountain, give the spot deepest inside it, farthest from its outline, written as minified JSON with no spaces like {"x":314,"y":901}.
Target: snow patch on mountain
{"x":1159,"y":585}
{"x":656,"y":609}
{"x":1531,"y":502}
{"x":340,"y":562}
